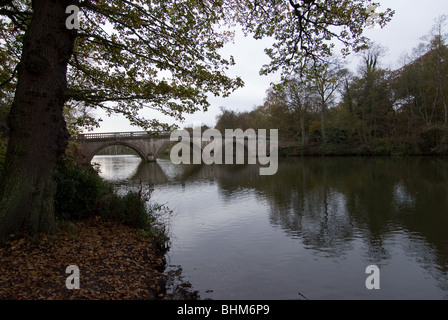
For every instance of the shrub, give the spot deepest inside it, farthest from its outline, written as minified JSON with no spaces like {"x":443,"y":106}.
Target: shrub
{"x":336,"y":136}
{"x":79,"y":190}
{"x":81,"y":193}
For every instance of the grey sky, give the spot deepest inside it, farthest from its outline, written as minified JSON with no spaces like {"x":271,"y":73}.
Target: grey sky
{"x":413,"y":19}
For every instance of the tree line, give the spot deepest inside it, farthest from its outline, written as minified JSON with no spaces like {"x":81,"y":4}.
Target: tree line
{"x":332,"y":110}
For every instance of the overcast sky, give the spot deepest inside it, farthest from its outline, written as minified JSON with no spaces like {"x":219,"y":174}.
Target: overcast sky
{"x":413,"y":19}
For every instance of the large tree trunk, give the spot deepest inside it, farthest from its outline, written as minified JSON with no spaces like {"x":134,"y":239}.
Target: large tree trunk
{"x":38,"y":134}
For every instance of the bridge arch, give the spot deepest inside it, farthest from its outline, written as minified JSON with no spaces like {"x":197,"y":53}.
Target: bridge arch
{"x":141,"y":154}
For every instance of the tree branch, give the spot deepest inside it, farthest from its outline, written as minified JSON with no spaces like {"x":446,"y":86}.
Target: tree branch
{"x":10,"y":78}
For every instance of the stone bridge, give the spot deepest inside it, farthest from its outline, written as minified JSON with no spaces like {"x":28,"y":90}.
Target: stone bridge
{"x":148,"y":145}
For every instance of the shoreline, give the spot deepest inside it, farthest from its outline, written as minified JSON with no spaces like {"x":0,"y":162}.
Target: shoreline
{"x":297,"y":152}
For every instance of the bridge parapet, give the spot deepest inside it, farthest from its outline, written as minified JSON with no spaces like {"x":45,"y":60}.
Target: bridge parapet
{"x":109,"y":136}
{"x":121,"y":135}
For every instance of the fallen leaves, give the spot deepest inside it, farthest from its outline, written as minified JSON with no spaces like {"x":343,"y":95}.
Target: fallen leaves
{"x":114,"y":264}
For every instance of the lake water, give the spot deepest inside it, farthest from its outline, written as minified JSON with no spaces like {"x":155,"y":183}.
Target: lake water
{"x":307,"y":232}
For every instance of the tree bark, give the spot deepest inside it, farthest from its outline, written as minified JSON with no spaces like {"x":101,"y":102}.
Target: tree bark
{"x":38,"y":133}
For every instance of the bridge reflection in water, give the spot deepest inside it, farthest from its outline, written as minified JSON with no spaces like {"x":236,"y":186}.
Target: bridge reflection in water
{"x":131,"y":168}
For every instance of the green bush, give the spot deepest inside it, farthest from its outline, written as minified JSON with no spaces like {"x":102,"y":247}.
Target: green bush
{"x":336,"y":136}
{"x":79,"y":190}
{"x":81,"y":193}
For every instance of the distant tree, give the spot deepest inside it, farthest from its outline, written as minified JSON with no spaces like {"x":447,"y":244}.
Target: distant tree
{"x":421,"y":88}
{"x":280,"y":115}
{"x":299,"y":97}
{"x":228,"y":119}
{"x":325,"y":79}
{"x":437,"y":65}
{"x":369,"y":96}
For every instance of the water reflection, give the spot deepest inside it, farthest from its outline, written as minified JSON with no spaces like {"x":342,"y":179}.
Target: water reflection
{"x":313,"y":226}
{"x":116,"y":167}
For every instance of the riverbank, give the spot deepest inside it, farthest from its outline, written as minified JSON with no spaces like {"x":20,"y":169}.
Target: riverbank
{"x":363,"y":151}
{"x":115,"y":263}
